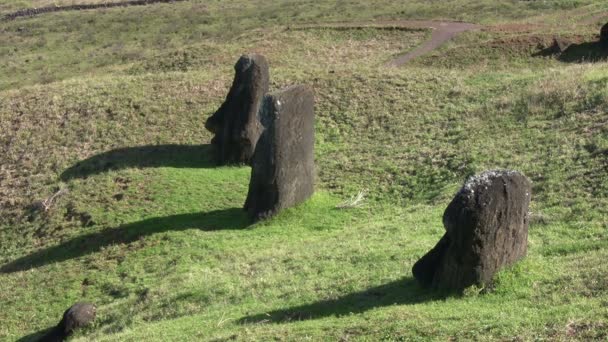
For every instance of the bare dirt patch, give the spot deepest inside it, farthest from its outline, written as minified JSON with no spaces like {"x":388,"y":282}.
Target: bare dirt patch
{"x":519,"y":28}
{"x":594,"y":19}
{"x":527,"y":43}
{"x":30,"y":12}
{"x":443,"y":31}
{"x":50,"y":3}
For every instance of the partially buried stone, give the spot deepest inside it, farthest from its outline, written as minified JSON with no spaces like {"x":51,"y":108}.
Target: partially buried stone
{"x":235,"y":124}
{"x":283,"y":169}
{"x":486,"y":229}
{"x":78,"y":316}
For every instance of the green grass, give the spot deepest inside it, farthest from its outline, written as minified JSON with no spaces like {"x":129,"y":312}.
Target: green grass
{"x":153,"y":233}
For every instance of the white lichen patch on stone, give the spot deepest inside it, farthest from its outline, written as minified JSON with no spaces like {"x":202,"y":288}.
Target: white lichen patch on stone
{"x":484,"y":179}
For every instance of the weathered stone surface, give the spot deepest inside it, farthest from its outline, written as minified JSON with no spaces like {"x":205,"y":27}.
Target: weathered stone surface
{"x":604,"y":36}
{"x":282,"y":172}
{"x":486,"y":229}
{"x":77,"y":316}
{"x":235,"y":124}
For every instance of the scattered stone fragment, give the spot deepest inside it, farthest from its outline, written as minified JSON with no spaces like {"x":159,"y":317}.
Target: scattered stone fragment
{"x":486,"y":229}
{"x":78,"y":316}
{"x":283,"y":169}
{"x":235,"y":124}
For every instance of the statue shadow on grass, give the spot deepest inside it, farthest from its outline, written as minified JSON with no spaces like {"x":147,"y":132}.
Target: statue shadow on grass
{"x":405,"y":291}
{"x":588,"y":52}
{"x":46,"y":335}
{"x":226,"y":219}
{"x":179,"y":156}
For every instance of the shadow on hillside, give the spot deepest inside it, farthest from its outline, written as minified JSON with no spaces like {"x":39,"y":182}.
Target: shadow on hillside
{"x":584,"y":52}
{"x":589,"y":52}
{"x":191,"y":156}
{"x":47,"y":335}
{"x":227,"y":219}
{"x":405,"y":291}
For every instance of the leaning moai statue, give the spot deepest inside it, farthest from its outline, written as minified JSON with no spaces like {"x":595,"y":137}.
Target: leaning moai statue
{"x":283,"y":168}
{"x":486,"y":228}
{"x":604,"y":36}
{"x":236,"y":124}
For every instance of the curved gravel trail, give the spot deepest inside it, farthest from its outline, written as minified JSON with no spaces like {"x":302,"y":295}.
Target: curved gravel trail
{"x":443,"y":31}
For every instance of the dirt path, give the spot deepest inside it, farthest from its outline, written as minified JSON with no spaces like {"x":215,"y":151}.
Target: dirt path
{"x":30,"y":12}
{"x":442,"y":32}
{"x":446,"y":30}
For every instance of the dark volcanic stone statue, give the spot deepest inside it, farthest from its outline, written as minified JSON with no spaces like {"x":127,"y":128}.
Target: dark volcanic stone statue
{"x":282,"y":172}
{"x":604,"y":36}
{"x":486,"y":228}
{"x":78,"y":316}
{"x":235,"y":124}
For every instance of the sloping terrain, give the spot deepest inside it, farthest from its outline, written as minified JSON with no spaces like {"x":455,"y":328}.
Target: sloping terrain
{"x":108,"y":193}
{"x":95,"y":5}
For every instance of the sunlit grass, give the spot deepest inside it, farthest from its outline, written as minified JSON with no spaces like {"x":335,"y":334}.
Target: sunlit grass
{"x":110,"y":106}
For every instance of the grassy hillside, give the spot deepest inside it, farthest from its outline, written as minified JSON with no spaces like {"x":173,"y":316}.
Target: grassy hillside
{"x":107,"y":108}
